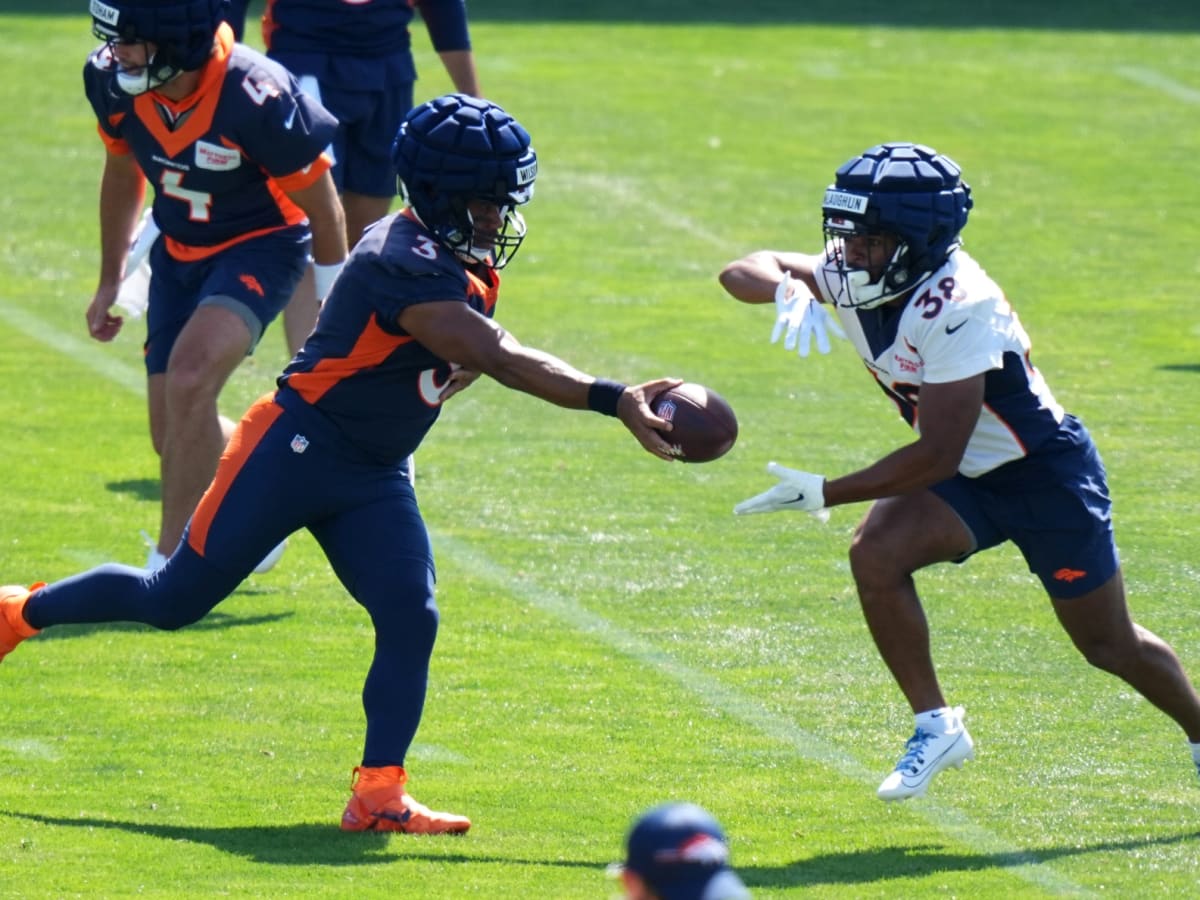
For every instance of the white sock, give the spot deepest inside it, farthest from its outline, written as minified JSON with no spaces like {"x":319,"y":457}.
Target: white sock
{"x":1195,"y":751}
{"x":938,"y":721}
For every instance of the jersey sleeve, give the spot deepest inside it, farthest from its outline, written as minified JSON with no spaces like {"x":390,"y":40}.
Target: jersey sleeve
{"x":446,"y":21}
{"x":97,"y":85}
{"x":962,"y":341}
{"x":402,"y":284}
{"x":289,"y":130}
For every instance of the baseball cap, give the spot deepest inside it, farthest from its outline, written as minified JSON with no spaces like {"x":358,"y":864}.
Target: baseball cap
{"x":682,"y":854}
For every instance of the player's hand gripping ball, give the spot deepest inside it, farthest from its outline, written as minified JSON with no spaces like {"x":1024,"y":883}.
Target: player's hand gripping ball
{"x":704,"y":426}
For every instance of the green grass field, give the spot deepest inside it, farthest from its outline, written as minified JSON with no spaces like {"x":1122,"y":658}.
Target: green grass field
{"x":611,"y":635}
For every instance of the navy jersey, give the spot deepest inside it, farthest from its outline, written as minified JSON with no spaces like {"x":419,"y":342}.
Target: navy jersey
{"x":362,"y":372}
{"x":361,"y":27}
{"x":235,"y":146}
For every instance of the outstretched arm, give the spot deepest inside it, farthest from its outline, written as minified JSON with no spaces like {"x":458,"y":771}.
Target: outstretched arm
{"x":454,"y":331}
{"x":753,"y":278}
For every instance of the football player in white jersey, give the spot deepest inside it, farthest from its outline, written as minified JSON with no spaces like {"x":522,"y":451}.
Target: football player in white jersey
{"x":995,"y":458}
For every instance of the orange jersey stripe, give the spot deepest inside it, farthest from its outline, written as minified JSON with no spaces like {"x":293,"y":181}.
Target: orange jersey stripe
{"x":116,"y":146}
{"x":209,"y":91}
{"x":371,"y":349}
{"x":297,"y":181}
{"x":188,"y":253}
{"x":254,"y":425}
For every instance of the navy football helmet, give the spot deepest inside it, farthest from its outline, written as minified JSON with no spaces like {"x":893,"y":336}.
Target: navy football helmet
{"x":906,"y":190}
{"x":182,"y":32}
{"x":455,"y":149}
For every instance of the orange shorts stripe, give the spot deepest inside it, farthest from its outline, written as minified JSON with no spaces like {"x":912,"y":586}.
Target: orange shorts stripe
{"x":249,"y":433}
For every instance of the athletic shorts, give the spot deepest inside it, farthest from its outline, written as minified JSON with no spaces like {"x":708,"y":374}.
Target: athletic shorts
{"x":1054,"y":505}
{"x":370,"y":98}
{"x":254,"y":278}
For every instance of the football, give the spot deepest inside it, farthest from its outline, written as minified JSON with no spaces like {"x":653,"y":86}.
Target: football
{"x":703,"y":425}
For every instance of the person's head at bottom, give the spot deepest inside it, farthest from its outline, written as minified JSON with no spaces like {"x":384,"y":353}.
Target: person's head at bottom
{"x":677,"y":851}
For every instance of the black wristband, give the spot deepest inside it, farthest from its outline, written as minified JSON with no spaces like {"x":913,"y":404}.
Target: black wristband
{"x":603,"y":396}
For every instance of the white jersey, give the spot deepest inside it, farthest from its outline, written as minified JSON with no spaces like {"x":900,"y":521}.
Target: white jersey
{"x":955,"y":324}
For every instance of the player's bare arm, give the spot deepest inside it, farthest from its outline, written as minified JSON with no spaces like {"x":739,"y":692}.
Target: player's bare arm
{"x":753,"y":278}
{"x":949,"y":413}
{"x":122,"y":191}
{"x":454,"y":331}
{"x":460,"y":66}
{"x":327,"y":221}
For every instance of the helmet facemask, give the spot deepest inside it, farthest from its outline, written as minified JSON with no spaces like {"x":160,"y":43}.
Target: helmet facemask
{"x":859,"y":289}
{"x":177,"y":36}
{"x":472,"y":244}
{"x":154,"y":74}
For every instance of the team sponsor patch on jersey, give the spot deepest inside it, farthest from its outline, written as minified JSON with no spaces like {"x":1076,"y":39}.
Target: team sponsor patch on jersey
{"x":216,"y":158}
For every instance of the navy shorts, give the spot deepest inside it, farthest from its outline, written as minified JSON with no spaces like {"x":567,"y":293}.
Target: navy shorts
{"x":1054,"y":505}
{"x":370,"y":98}
{"x":254,"y":278}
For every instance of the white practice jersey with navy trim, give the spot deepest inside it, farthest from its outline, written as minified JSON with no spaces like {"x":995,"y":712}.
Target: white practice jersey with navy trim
{"x":957,"y":323}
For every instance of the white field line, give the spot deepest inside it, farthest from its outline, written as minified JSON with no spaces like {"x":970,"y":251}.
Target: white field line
{"x":100,"y":358}
{"x":1151,"y":79}
{"x":807,"y":746}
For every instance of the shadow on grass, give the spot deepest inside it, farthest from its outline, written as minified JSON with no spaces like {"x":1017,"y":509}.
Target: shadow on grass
{"x":141,"y":488}
{"x":866,"y":866}
{"x":215,"y":621}
{"x":302,"y":844}
{"x":324,"y":844}
{"x":1180,"y":367}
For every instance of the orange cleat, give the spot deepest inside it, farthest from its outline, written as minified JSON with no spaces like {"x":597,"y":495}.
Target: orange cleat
{"x":13,"y":627}
{"x":380,"y":803}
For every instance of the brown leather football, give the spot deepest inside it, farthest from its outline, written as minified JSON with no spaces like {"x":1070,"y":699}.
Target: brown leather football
{"x":704,"y":426}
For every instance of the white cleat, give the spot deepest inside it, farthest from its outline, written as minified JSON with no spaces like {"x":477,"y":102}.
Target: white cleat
{"x":927,"y":754}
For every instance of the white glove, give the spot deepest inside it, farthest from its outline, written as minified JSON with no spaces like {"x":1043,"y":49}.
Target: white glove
{"x":800,"y":318}
{"x":801,"y":491}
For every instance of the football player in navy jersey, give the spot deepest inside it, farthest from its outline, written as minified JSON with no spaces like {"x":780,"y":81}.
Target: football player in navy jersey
{"x":407,"y":325}
{"x":996,"y":457}
{"x":235,"y":153}
{"x":356,"y":59}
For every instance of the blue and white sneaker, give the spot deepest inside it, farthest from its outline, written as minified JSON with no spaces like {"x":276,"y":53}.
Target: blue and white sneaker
{"x":927,"y":754}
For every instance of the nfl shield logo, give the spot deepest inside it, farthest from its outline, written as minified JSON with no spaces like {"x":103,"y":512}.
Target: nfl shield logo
{"x":299,"y":443}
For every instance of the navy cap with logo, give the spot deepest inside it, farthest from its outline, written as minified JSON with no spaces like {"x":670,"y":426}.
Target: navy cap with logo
{"x":681,"y":853}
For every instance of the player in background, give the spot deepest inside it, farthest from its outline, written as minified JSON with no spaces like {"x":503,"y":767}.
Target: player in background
{"x":235,"y":153}
{"x":356,"y":59}
{"x":407,"y":325}
{"x":995,"y":459}
{"x":677,"y":851}
{"x":236,"y":17}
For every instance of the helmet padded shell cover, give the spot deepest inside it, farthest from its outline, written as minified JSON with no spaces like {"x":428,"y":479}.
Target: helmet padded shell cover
{"x":909,"y":190}
{"x":458,"y":148}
